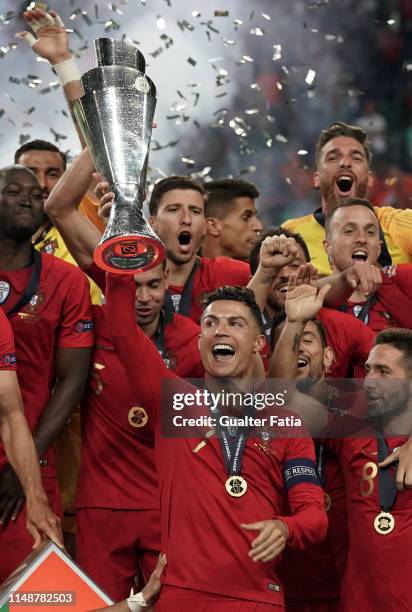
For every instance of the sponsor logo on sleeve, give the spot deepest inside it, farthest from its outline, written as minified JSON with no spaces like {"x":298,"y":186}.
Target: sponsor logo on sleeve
{"x":86,"y":325}
{"x":7,"y":360}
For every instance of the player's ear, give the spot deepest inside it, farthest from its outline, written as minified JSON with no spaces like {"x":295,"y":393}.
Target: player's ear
{"x":152,"y":221}
{"x":327,"y":245}
{"x":316,"y":179}
{"x":328,"y":359}
{"x":371,"y":179}
{"x":213,"y":226}
{"x":259,"y":343}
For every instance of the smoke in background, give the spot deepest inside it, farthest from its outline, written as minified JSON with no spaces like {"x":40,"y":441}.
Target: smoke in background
{"x":243,"y":87}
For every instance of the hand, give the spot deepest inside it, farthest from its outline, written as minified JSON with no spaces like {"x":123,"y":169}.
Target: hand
{"x":105,"y":197}
{"x":403,"y":454}
{"x":42,"y":521}
{"x":365,"y":277}
{"x":275,"y":253}
{"x":11,"y":496}
{"x":271,"y":540}
{"x":52,"y":42}
{"x":152,"y":588}
{"x":303,"y":298}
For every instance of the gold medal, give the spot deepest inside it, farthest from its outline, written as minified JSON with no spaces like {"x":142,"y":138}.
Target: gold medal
{"x":236,"y":486}
{"x":384,"y":523}
{"x":137,"y":416}
{"x":327,"y":501}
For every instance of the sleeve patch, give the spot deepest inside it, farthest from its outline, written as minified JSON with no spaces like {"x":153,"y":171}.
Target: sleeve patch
{"x":299,"y":470}
{"x":7,"y":360}
{"x":85,"y":325}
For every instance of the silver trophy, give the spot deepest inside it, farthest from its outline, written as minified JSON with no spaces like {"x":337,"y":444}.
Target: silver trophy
{"x":115,"y":116}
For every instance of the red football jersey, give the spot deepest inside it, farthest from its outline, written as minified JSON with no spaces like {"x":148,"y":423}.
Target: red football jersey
{"x":350,"y":339}
{"x":7,"y":350}
{"x":113,"y":440}
{"x":378,"y":566}
{"x":58,"y":315}
{"x":200,"y":521}
{"x":211,"y":274}
{"x":392,"y":302}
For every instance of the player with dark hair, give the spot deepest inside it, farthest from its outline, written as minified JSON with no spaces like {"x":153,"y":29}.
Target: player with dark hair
{"x":378,"y":523}
{"x":48,"y":305}
{"x":283,"y":253}
{"x":200,"y":516}
{"x":232,"y":226}
{"x":352,"y":239}
{"x":342,"y":170}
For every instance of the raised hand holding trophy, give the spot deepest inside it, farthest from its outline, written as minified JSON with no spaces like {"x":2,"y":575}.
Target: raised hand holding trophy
{"x":115,"y":116}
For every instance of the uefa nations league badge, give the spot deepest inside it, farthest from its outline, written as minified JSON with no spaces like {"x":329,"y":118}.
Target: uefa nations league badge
{"x":4,"y":291}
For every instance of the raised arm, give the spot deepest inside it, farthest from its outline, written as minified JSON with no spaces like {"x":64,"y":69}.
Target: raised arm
{"x":144,"y":366}
{"x":275,"y":253}
{"x":52,"y":44}
{"x":303,"y":302}
{"x":80,"y":235}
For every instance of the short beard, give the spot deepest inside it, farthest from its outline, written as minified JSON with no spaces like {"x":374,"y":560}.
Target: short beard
{"x":334,"y":200}
{"x":396,"y":404}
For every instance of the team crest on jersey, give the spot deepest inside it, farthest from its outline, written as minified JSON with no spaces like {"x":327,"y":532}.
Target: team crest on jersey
{"x":390,"y":270}
{"x":30,"y":312}
{"x":4,"y":291}
{"x":49,"y":246}
{"x":169,"y":360}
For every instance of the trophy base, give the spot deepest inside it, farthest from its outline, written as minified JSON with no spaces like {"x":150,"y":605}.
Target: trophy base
{"x":129,"y":254}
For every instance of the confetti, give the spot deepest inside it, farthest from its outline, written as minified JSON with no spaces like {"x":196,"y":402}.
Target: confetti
{"x":185,"y":25}
{"x":391,"y":22}
{"x":237,"y":23}
{"x":24,"y":138}
{"x":160,"y":22}
{"x":228,"y":43}
{"x":57,"y":136}
{"x":196,"y":13}
{"x":353,"y":93}
{"x":407,"y":66}
{"x":157,"y":52}
{"x":188,"y":161}
{"x":221,"y":13}
{"x":302,"y":152}
{"x":2,"y":111}
{"x":310,"y":77}
{"x":277,"y":54}
{"x":269,"y":142}
{"x":266,"y":16}
{"x":257,"y":31}
{"x":255,"y":86}
{"x":281,"y":138}
{"x":191,"y":61}
{"x":252,"y":111}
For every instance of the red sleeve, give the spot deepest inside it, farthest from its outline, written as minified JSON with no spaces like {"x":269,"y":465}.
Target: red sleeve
{"x":308,"y":523}
{"x":229,"y":271}
{"x":395,"y":294}
{"x":350,"y":338}
{"x":7,"y":351}
{"x":144,"y":367}
{"x":76,"y":325}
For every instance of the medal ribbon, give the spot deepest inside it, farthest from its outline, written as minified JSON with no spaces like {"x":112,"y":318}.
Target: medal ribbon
{"x":32,"y":286}
{"x":186,"y":299}
{"x":233,"y":446}
{"x":320,"y":462}
{"x":387,"y":485}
